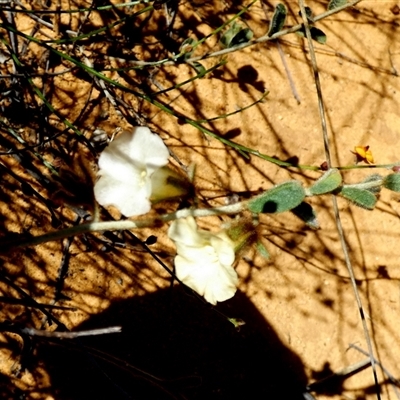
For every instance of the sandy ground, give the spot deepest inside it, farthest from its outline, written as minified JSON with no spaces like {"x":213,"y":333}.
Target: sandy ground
{"x":299,"y":307}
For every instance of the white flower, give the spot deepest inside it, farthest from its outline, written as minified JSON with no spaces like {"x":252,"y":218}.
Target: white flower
{"x":126,"y":166}
{"x":204,"y":260}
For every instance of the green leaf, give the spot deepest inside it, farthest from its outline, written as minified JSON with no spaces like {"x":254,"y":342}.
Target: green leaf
{"x":307,"y":214}
{"x":235,"y":35}
{"x":373,"y":183}
{"x":309,"y":14}
{"x":336,"y":4}
{"x":244,"y":36}
{"x":199,"y":68}
{"x":237,"y":322}
{"x":392,"y":182}
{"x":187,"y":48}
{"x":327,"y":183}
{"x":360,"y":197}
{"x":278,"y":19}
{"x":262,"y":250}
{"x":283,"y":197}
{"x":316,"y":34}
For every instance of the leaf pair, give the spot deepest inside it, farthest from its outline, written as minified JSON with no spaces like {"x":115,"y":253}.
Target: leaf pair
{"x":279,"y":18}
{"x":290,"y":196}
{"x":362,"y":194}
{"x":235,"y":35}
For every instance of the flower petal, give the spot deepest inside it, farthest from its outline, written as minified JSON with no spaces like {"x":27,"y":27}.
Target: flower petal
{"x":206,"y":276}
{"x":223,"y":247}
{"x":125,"y":171}
{"x":130,"y":196}
{"x":146,"y":148}
{"x":184,"y":231}
{"x":204,"y":260}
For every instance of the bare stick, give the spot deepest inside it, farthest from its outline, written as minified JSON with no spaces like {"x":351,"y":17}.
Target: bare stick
{"x":288,"y":74}
{"x":334,"y":200}
{"x":342,"y":374}
{"x":392,"y":379}
{"x":23,"y":330}
{"x":70,"y":335}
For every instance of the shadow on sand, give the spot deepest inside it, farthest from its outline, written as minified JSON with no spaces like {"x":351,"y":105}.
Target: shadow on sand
{"x":174,"y":347}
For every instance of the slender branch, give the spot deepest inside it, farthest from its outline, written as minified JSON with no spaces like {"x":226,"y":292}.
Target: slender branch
{"x":77,"y":10}
{"x":70,"y":335}
{"x":266,"y":38}
{"x":262,"y":39}
{"x":121,"y":225}
{"x":342,"y":374}
{"x":395,"y":382}
{"x":321,"y":109}
{"x":334,"y":200}
{"x":24,"y":330}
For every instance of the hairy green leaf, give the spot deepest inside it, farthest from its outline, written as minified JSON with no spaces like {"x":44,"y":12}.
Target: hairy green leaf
{"x":316,"y":34}
{"x":373,"y":183}
{"x":336,"y":4}
{"x":278,"y":19}
{"x":328,"y":182}
{"x":392,"y":182}
{"x":235,"y":35}
{"x":360,"y":197}
{"x":283,"y":197}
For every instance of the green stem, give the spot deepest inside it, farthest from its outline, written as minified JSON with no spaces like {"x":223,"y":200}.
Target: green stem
{"x":76,"y":10}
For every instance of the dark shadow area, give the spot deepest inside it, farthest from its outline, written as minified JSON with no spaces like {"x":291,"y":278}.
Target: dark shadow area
{"x":246,"y":75}
{"x":232,"y":134}
{"x":187,"y":350}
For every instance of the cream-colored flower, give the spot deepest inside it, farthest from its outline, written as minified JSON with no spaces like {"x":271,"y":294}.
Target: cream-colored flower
{"x":126,"y":167}
{"x":204,"y":260}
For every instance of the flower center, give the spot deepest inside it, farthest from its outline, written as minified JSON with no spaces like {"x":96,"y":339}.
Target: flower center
{"x":143,"y":175}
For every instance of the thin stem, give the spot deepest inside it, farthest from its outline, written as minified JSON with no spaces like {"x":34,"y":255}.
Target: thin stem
{"x":395,"y":382}
{"x":122,"y":225}
{"x":57,"y":335}
{"x":317,"y":85}
{"x":266,"y":38}
{"x":334,"y":200}
{"x":77,"y":10}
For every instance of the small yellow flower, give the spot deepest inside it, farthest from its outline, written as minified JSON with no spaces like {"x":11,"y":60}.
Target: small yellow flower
{"x":363,"y":154}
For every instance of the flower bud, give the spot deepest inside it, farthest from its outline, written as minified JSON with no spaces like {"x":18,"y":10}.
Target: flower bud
{"x":166,"y":184}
